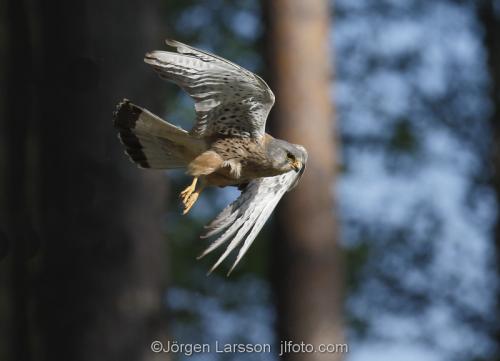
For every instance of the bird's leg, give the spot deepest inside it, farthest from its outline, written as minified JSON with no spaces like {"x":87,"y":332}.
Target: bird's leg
{"x":189,"y":189}
{"x":190,"y":195}
{"x":191,"y":200}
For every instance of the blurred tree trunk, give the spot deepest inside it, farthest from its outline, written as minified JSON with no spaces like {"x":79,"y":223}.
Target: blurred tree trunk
{"x":103,"y":274}
{"x":308,"y":269}
{"x":16,"y":325}
{"x":489,"y":17}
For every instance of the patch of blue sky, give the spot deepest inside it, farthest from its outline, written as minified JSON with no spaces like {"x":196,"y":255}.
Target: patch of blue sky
{"x":441,"y":183}
{"x":246,"y":24}
{"x":180,"y":111}
{"x":351,"y":5}
{"x":439,"y":333}
{"x":359,"y":121}
{"x":391,"y":94}
{"x":371,"y":193}
{"x":397,"y":37}
{"x":386,"y":350}
{"x":240,"y":310}
{"x":193,"y":19}
{"x":367,"y":187}
{"x":391,"y":35}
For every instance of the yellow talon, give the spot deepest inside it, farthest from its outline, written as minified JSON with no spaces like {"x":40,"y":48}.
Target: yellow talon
{"x":190,"y":202}
{"x":190,"y":195}
{"x":189,"y":189}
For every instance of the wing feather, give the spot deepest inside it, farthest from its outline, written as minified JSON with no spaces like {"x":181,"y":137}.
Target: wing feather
{"x":247,"y":215}
{"x":229,"y":99}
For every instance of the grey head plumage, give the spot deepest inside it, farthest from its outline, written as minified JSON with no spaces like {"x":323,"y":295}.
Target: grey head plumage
{"x":286,"y":157}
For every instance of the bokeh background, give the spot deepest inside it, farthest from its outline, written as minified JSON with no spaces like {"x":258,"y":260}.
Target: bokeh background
{"x":390,"y":244}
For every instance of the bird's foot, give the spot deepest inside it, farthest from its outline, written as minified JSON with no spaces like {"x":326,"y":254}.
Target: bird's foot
{"x":190,"y":195}
{"x":189,"y":189}
{"x":190,"y":201}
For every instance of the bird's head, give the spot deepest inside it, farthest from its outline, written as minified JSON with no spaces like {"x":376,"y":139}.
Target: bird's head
{"x":286,"y":156}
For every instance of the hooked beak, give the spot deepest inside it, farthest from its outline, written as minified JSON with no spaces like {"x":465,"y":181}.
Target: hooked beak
{"x":297,"y":178}
{"x":297,"y":165}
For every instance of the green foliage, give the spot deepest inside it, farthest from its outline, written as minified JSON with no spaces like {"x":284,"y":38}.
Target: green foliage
{"x":356,"y":257}
{"x":403,"y":138}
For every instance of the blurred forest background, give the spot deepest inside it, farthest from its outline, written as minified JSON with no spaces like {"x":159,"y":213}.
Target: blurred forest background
{"x":391,"y":243}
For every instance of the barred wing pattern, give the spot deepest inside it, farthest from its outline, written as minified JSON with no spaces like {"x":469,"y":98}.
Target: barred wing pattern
{"x":229,"y":100}
{"x":247,"y":215}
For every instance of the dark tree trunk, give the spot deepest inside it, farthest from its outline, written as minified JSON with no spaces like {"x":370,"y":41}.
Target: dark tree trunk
{"x":14,"y":240}
{"x":103,"y":263}
{"x":308,"y":269}
{"x":490,"y":19}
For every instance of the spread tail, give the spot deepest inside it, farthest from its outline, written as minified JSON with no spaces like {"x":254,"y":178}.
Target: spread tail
{"x":150,"y":141}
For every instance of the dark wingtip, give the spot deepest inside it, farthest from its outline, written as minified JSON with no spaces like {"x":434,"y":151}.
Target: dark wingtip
{"x":126,"y":114}
{"x":119,"y":106}
{"x":124,"y":119}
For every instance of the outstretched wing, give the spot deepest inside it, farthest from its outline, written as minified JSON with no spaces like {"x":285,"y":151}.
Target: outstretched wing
{"x":229,"y":100}
{"x":243,"y":219}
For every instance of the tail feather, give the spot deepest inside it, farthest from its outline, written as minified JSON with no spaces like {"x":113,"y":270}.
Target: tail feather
{"x":150,"y":141}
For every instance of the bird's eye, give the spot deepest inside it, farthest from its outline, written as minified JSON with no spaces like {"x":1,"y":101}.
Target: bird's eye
{"x":290,"y":157}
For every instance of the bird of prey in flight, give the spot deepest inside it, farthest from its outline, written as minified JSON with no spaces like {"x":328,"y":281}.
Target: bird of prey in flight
{"x":227,"y":146}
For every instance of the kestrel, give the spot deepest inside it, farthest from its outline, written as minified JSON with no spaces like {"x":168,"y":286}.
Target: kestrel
{"x":228,"y":145}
